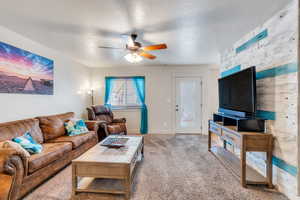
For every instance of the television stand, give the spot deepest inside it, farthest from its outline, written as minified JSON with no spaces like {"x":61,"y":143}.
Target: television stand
{"x":242,"y":123}
{"x":246,"y":142}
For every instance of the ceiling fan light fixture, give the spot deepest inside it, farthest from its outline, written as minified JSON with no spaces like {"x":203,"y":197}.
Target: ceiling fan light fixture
{"x":133,"y":58}
{"x":130,"y":42}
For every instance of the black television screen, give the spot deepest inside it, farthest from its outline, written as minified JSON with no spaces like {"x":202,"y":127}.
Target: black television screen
{"x":238,"y":91}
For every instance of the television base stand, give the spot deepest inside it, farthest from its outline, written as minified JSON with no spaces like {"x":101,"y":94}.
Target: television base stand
{"x":242,"y":123}
{"x":244,"y":142}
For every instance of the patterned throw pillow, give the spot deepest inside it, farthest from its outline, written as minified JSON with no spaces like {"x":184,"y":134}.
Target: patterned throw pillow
{"x":76,"y":127}
{"x":27,"y":142}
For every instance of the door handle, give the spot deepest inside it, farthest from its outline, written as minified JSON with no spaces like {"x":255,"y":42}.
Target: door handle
{"x":177,"y":109}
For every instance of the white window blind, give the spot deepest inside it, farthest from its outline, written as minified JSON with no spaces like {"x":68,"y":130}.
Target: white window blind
{"x":123,"y":94}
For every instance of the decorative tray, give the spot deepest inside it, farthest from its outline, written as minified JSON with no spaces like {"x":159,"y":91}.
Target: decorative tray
{"x":114,"y":142}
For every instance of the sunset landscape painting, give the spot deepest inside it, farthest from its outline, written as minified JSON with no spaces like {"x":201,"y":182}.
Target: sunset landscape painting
{"x":23,"y":72}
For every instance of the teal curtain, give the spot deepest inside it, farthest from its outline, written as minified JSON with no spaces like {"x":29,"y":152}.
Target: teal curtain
{"x":139,"y":83}
{"x":108,"y":89}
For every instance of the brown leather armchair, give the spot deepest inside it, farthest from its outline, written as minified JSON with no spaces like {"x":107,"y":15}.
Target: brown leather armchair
{"x":108,"y":125}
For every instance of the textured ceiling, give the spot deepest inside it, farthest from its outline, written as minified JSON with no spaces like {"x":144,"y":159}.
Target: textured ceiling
{"x":195,"y":30}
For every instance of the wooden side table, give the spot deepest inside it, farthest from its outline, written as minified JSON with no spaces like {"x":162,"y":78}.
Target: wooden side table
{"x":247,"y":142}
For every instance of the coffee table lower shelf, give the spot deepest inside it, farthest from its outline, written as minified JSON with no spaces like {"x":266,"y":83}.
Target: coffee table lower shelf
{"x":100,"y":185}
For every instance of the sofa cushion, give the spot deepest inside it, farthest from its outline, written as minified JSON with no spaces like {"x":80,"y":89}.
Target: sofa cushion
{"x":50,"y":153}
{"x":76,"y":140}
{"x":53,"y":126}
{"x":10,"y":130}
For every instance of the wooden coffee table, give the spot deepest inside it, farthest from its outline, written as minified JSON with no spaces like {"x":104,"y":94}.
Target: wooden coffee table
{"x":107,"y":170}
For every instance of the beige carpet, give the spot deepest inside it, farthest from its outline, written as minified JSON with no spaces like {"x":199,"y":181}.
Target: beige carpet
{"x":174,"y":168}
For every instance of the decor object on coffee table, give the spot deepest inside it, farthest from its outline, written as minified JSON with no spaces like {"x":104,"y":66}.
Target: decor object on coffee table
{"x":108,"y":124}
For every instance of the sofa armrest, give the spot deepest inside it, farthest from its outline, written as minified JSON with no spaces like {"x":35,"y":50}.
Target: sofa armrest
{"x":12,"y":170}
{"x":92,"y":125}
{"x":120,"y":120}
{"x":103,"y":125}
{"x":5,"y":185}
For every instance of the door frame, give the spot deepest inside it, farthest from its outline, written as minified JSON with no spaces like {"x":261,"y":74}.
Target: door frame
{"x":173,"y":105}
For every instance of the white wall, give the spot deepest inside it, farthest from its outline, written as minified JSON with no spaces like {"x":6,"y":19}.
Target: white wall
{"x":69,"y":78}
{"x":160,"y":93}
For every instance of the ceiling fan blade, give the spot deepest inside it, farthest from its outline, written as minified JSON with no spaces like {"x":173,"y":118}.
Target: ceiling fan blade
{"x":104,"y":47}
{"x":154,"y":47}
{"x":147,"y":55}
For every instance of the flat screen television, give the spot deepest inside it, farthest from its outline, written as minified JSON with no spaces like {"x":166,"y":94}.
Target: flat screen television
{"x":237,"y":92}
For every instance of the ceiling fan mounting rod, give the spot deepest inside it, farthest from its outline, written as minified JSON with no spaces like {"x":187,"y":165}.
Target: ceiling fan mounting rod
{"x":133,"y":37}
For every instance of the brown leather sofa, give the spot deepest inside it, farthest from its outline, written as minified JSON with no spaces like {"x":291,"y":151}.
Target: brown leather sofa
{"x":19,"y":175}
{"x":108,"y":124}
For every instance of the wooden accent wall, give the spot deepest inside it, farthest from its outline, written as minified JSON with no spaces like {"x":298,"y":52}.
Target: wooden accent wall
{"x":273,"y":47}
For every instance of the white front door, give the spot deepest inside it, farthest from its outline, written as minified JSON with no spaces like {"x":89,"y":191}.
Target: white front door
{"x":188,"y":105}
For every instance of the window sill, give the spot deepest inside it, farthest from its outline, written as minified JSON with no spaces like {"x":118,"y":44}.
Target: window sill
{"x":124,"y":108}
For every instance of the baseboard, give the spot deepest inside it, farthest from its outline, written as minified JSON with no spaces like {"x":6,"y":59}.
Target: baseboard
{"x":169,"y":132}
{"x":133,"y":131}
{"x":154,"y":132}
{"x":190,"y":134}
{"x":199,"y":132}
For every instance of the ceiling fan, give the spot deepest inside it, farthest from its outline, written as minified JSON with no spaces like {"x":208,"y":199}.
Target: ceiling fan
{"x":136,"y":50}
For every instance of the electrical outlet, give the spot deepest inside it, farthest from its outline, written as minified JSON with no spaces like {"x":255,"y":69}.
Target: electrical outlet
{"x":165,"y":124}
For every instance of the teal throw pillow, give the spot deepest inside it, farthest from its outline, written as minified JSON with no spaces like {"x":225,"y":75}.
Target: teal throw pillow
{"x":27,"y":142}
{"x":76,"y":127}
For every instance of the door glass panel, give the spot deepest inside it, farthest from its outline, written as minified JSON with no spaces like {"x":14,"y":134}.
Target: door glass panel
{"x":188,"y":105}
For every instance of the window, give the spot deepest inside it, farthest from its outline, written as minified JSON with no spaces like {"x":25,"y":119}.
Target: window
{"x":123,"y":93}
